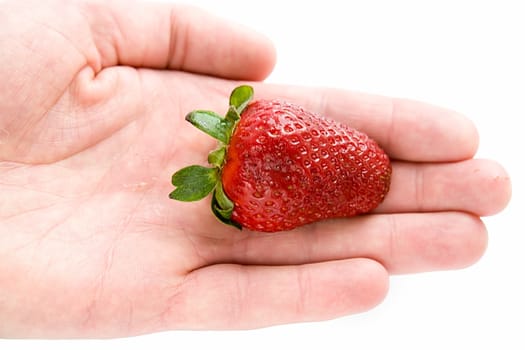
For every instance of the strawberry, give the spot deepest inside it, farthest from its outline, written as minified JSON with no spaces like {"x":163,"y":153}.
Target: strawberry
{"x":279,"y":166}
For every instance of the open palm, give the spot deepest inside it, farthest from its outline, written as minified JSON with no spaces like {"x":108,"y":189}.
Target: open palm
{"x":91,"y":129}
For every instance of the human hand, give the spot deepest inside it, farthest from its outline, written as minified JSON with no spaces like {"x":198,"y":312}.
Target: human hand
{"x":91,"y":129}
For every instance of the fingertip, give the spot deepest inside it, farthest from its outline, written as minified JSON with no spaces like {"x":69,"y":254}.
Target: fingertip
{"x":373,"y":279}
{"x":352,"y":286}
{"x":465,"y":246}
{"x":468,"y":136}
{"x":478,"y":242}
{"x":262,"y":57}
{"x":269,"y":60}
{"x":341,"y":288}
{"x":497,"y":179}
{"x":221,"y":47}
{"x":443,"y":134}
{"x":459,"y":242}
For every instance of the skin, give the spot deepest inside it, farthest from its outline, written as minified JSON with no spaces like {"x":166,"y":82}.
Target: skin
{"x":91,"y":129}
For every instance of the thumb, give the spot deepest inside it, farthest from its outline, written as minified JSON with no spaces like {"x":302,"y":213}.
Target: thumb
{"x":181,"y":37}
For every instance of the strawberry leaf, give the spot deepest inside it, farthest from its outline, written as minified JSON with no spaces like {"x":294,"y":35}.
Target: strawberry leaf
{"x":219,"y":215}
{"x":232,"y":115}
{"x":193,"y":183}
{"x":212,"y":124}
{"x":217,"y":157}
{"x":240,"y":97}
{"x":222,"y":207}
{"x":222,"y":200}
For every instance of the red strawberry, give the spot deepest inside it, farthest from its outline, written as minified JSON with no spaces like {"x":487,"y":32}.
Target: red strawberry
{"x":279,"y":166}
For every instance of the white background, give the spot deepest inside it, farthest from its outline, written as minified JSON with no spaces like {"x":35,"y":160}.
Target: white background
{"x":468,"y":56}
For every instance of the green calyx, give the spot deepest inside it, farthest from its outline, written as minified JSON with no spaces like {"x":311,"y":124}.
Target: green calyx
{"x":196,"y":182}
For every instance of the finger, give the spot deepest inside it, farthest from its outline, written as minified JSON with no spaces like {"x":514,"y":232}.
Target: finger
{"x":403,"y":243}
{"x":478,"y":186}
{"x":237,"y":296}
{"x":181,"y":37}
{"x":408,"y":130}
